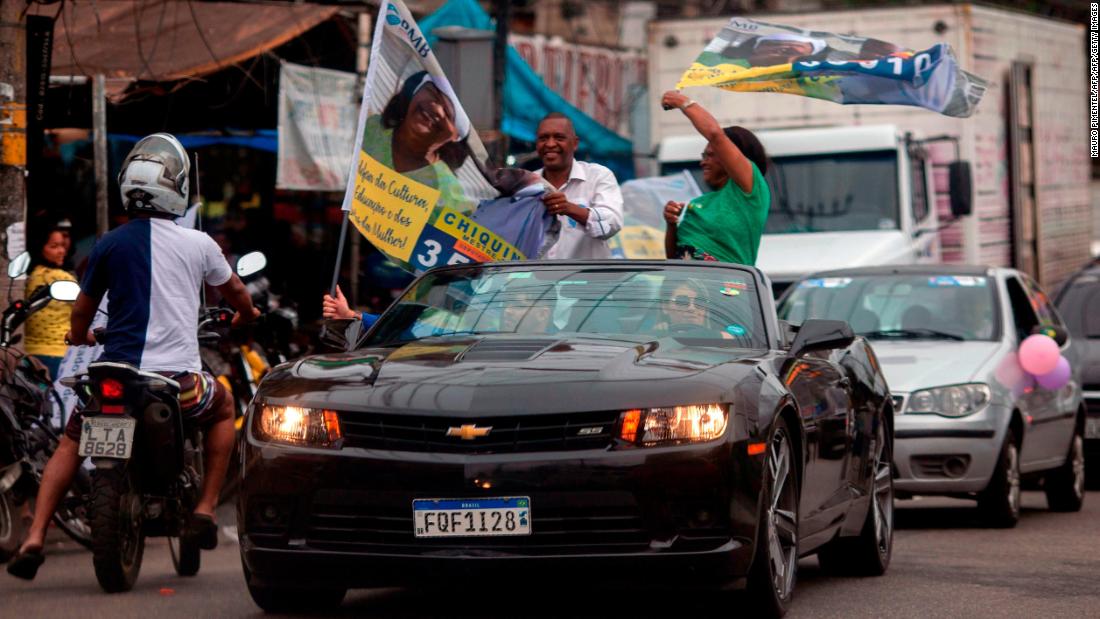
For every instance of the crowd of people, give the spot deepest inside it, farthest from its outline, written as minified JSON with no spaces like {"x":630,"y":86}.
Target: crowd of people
{"x":724,"y":224}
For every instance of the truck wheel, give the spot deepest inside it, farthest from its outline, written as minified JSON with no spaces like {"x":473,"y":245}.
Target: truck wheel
{"x":1065,"y":485}
{"x":117,"y":541}
{"x":1000,"y":501}
{"x":775,"y":559}
{"x":869,"y":553}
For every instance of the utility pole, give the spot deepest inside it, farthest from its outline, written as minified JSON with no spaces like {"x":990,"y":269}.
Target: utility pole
{"x":503,"y":11}
{"x":13,"y":122}
{"x":99,"y":144}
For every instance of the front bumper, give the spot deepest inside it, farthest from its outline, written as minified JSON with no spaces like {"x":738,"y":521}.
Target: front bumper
{"x":1092,"y":422}
{"x":325,"y":517}
{"x":939,"y":455}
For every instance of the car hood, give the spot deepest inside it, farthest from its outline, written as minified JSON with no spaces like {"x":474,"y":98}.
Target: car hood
{"x":788,"y":257}
{"x":918,"y":364}
{"x":495,"y":375}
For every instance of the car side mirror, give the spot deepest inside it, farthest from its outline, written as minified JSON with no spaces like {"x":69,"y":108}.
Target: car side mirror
{"x":1058,"y":334}
{"x":960,"y":187}
{"x":822,"y":335}
{"x":342,"y":333}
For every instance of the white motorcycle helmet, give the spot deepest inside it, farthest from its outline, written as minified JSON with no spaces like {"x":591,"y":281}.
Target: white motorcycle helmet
{"x":154,"y":176}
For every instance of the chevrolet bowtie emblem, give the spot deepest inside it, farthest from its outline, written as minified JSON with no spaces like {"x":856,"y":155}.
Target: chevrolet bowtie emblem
{"x":469,"y":432}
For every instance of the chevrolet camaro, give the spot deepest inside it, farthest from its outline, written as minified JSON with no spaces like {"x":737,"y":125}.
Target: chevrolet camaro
{"x":591,"y":419}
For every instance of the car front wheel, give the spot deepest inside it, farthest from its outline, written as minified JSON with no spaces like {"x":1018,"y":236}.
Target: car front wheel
{"x":1065,"y":485}
{"x":1000,"y":501}
{"x":775,"y":563}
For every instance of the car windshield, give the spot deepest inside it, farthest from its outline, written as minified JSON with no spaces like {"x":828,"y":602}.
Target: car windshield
{"x":925,"y":306}
{"x":701,"y":305}
{"x":835,"y":192}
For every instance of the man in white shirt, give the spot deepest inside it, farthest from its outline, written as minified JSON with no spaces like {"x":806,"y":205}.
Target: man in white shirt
{"x":586,"y":196}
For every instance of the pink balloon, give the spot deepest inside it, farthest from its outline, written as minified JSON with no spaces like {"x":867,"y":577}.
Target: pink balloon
{"x":1039,"y":354}
{"x":1009,"y":373}
{"x":1056,"y":378}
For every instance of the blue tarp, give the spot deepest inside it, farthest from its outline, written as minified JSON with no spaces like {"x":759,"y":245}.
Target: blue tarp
{"x":527,"y":99}
{"x":261,"y":139}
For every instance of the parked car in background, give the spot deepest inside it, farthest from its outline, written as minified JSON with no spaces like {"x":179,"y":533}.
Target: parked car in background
{"x":969,"y":424}
{"x":1078,"y":302}
{"x":605,"y":419}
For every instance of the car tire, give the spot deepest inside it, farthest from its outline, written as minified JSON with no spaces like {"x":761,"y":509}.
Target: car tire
{"x":869,"y":553}
{"x":1000,"y":501}
{"x":775,"y":559}
{"x":1065,"y":485}
{"x":305,"y":600}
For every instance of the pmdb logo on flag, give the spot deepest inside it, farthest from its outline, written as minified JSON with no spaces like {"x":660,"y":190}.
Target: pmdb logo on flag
{"x":417,"y":40}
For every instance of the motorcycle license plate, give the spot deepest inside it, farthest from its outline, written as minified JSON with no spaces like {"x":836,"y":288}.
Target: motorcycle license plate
{"x":472,"y":517}
{"x":106,"y":437}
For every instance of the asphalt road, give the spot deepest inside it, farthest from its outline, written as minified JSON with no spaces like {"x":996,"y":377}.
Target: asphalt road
{"x":945,"y":565}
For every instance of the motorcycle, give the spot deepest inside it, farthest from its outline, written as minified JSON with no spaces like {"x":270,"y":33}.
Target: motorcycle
{"x":148,"y":463}
{"x":28,"y":434}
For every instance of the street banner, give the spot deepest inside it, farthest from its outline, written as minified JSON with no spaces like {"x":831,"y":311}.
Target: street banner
{"x":418,"y":187}
{"x":317,"y":115}
{"x":644,"y":199}
{"x":754,"y":56}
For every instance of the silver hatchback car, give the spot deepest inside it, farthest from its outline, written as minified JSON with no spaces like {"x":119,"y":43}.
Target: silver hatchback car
{"x":966,"y":422}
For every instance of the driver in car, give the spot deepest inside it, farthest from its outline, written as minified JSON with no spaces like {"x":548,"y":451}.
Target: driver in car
{"x":686,"y":307}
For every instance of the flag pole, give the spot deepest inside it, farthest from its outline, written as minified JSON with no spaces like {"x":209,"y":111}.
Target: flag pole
{"x":339,"y":254}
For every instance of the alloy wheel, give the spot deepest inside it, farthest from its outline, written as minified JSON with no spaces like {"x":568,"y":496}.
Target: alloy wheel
{"x":1078,"y":466}
{"x":1012,"y":477}
{"x":782,"y":521}
{"x":882,"y":503}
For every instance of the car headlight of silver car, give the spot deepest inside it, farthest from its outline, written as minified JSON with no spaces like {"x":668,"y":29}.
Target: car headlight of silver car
{"x":950,"y":400}
{"x":295,"y":425}
{"x":667,"y":425}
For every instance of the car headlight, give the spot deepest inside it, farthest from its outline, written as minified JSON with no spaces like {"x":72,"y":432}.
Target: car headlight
{"x":294,"y":425}
{"x":950,"y":401}
{"x":673,"y":424}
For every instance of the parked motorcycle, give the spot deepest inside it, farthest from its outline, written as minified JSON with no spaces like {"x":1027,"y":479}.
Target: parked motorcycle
{"x":149,"y":467}
{"x":28,"y":433}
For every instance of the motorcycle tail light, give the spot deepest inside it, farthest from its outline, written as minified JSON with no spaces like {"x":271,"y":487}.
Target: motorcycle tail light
{"x":110,"y":389}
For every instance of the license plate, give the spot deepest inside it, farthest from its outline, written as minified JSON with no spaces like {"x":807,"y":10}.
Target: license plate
{"x":472,"y":517}
{"x":106,"y":437}
{"x":1092,"y":427}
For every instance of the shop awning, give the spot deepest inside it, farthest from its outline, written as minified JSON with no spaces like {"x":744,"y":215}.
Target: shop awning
{"x":167,"y":40}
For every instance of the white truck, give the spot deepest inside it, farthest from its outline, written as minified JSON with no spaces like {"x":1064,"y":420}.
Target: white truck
{"x":870,"y":185}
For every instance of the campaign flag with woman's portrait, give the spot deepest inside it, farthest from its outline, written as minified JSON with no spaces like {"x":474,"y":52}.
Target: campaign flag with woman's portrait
{"x":419,"y":189}
{"x":754,"y":56}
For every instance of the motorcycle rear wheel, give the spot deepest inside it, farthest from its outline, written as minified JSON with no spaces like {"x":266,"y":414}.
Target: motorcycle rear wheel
{"x":118,"y":543}
{"x":11,"y":527}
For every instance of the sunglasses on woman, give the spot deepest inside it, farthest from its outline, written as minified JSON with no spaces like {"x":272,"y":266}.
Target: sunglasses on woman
{"x":684,"y":301}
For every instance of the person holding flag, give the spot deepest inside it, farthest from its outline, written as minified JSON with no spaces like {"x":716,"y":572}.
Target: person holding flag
{"x":726,"y":224}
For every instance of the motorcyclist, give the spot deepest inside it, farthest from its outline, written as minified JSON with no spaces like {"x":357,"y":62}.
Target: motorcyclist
{"x":152,"y":271}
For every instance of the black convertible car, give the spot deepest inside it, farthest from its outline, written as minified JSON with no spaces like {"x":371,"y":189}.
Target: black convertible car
{"x":606,"y":418}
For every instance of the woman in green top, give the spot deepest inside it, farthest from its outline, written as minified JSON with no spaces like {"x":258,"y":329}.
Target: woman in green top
{"x":725,"y":224}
